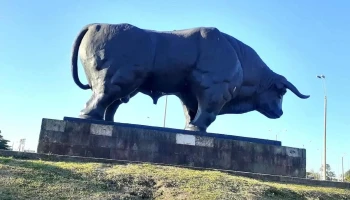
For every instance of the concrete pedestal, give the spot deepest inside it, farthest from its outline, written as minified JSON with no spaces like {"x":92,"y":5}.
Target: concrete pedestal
{"x":100,"y":139}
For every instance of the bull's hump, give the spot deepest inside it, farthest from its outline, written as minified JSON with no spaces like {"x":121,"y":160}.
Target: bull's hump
{"x":188,"y":31}
{"x":96,"y":27}
{"x":126,"y":26}
{"x":108,"y":24}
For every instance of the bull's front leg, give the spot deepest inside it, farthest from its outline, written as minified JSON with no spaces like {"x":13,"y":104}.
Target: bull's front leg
{"x":210,"y":102}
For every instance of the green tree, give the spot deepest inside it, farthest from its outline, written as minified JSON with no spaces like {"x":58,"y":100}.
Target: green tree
{"x":313,"y":175}
{"x":347,"y":176}
{"x":330,"y":175}
{"x":3,"y":143}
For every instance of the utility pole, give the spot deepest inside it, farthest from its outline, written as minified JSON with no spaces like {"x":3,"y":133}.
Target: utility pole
{"x":165,"y":108}
{"x":325,"y":126}
{"x":342,"y":166}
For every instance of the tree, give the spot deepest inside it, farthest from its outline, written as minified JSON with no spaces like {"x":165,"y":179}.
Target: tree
{"x":313,"y":175}
{"x":330,"y":175}
{"x":3,"y":143}
{"x":347,"y":176}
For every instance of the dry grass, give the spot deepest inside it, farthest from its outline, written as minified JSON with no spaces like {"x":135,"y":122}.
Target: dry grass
{"x":24,"y":179}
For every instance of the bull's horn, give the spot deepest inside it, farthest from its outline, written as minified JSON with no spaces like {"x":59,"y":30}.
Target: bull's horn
{"x":292,"y":88}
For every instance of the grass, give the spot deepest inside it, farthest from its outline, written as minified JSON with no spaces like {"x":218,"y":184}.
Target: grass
{"x":25,"y":179}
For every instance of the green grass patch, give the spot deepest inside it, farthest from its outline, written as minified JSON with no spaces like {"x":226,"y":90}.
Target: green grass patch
{"x":26,"y":179}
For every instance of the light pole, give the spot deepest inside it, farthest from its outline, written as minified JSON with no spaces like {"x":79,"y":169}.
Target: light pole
{"x":166,"y":105}
{"x":342,"y":166}
{"x":325,"y":125}
{"x":277,"y":133}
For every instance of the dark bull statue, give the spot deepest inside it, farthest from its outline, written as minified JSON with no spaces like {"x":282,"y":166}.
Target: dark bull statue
{"x":211,"y":72}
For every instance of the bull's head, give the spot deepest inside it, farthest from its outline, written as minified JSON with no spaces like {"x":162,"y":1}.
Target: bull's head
{"x":270,"y":101}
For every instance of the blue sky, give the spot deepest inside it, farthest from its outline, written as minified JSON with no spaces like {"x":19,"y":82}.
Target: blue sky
{"x":297,"y":40}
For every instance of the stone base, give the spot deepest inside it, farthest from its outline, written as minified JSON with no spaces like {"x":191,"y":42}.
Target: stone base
{"x":109,"y":140}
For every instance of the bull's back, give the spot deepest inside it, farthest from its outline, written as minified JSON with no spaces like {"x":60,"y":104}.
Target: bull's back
{"x":176,"y":48}
{"x":115,"y":46}
{"x":176,"y":54}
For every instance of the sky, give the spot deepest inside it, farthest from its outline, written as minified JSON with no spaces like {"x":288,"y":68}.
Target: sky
{"x":296,"y":39}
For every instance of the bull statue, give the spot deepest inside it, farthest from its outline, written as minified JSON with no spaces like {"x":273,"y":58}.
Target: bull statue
{"x":211,"y":72}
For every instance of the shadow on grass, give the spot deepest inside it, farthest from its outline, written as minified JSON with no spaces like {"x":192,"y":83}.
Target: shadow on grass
{"x":48,"y":175}
{"x":41,"y":168}
{"x":27,"y":179}
{"x":282,"y":193}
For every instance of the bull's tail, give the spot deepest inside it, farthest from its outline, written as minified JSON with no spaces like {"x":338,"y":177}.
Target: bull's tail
{"x":74,"y":60}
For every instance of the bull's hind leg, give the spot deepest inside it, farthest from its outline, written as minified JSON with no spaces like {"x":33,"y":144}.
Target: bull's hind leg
{"x":95,"y":107}
{"x":189,"y":104}
{"x":122,"y":84}
{"x":112,"y":108}
{"x":189,"y":116}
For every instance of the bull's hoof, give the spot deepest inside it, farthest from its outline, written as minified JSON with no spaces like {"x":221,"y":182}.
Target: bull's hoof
{"x":109,"y":120}
{"x":191,"y":127}
{"x":89,"y":117}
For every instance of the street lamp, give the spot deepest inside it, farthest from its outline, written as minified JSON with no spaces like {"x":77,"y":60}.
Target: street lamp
{"x":325,"y":124}
{"x":277,"y":133}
